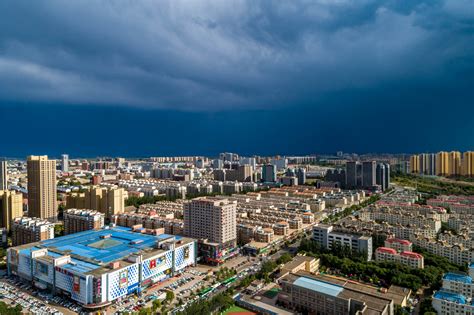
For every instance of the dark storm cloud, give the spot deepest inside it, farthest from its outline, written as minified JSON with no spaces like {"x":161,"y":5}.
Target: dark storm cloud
{"x":207,"y":55}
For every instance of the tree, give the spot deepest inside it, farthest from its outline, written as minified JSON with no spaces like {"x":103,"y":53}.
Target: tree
{"x":58,"y":230}
{"x":283,"y":259}
{"x":156,"y":305}
{"x":169,"y":296}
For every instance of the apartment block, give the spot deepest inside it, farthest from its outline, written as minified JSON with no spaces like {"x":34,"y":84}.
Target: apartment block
{"x":11,"y":207}
{"x":326,"y":237}
{"x":108,"y":201}
{"x":42,"y":188}
{"x":410,"y":259}
{"x":467,"y":166}
{"x":457,"y":254}
{"x":399,"y":245}
{"x":442,"y":164}
{"x":456,"y":295}
{"x":3,"y":175}
{"x":28,"y":230}
{"x":76,"y":220}
{"x":212,"y":219}
{"x":214,"y":222}
{"x":269,"y":173}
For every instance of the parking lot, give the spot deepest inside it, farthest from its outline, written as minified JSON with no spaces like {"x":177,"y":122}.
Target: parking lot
{"x":182,"y":286}
{"x":35,"y":301}
{"x":12,"y":296}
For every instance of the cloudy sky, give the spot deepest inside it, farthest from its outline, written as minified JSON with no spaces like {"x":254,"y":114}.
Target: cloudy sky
{"x":184,"y":77}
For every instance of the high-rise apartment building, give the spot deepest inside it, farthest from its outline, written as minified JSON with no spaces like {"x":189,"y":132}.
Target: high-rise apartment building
{"x":382,"y":173}
{"x":415,"y":164}
{"x":442,"y":164}
{"x":76,"y":220}
{"x":369,"y":178}
{"x":454,"y":163}
{"x":352,"y":174}
{"x":3,"y":175}
{"x":212,"y":219}
{"x":467,"y":167}
{"x":427,"y":163}
{"x":301,"y":174}
{"x":269,"y":173}
{"x":244,"y":173}
{"x":65,"y":163}
{"x":108,"y":201}
{"x":11,"y":207}
{"x":28,"y":230}
{"x":42,"y":188}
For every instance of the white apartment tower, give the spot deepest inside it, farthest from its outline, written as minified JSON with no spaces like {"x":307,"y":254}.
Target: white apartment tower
{"x":212,"y":219}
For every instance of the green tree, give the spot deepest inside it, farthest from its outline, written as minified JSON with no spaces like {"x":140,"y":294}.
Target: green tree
{"x":156,"y":305}
{"x":169,"y":296}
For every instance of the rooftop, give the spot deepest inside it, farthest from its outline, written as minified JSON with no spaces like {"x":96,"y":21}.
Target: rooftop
{"x":386,"y":250}
{"x":103,"y":246}
{"x":452,"y":297}
{"x":397,"y":240}
{"x":297,"y":261}
{"x":91,"y":251}
{"x":319,"y":286}
{"x":411,"y":254}
{"x":457,"y":277}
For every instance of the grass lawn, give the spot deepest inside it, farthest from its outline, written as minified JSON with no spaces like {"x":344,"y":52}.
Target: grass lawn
{"x":237,"y":310}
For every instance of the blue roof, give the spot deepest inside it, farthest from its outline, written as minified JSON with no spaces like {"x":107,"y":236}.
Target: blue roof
{"x":105,"y":245}
{"x":319,"y":286}
{"x":449,"y":296}
{"x":457,"y":277}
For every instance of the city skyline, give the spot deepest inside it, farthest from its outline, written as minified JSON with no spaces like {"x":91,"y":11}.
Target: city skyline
{"x":296,"y":78}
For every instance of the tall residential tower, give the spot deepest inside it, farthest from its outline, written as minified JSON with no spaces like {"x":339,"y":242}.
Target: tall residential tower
{"x":3,"y":175}
{"x":42,"y":188}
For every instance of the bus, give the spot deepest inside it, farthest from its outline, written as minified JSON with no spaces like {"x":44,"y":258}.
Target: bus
{"x":205,"y":292}
{"x":229,"y":280}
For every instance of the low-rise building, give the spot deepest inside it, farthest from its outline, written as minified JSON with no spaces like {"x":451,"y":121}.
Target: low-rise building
{"x":326,"y":237}
{"x":410,"y":259}
{"x":457,"y":254}
{"x":399,"y":245}
{"x":305,"y":263}
{"x":318,"y":294}
{"x":281,"y":228}
{"x":456,"y":296}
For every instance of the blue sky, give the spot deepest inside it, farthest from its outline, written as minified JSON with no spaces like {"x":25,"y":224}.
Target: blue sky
{"x":199,"y":77}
